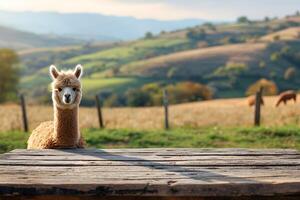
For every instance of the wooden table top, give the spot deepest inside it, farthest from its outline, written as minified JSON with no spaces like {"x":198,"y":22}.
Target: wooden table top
{"x":151,"y":172}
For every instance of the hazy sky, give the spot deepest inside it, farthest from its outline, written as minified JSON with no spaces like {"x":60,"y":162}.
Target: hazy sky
{"x":162,"y":9}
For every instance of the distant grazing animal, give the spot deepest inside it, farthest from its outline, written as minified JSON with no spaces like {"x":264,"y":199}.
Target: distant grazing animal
{"x":286,"y":96}
{"x":252,"y":100}
{"x":63,"y":132}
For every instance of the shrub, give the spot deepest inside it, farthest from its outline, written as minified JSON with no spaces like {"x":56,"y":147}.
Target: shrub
{"x":115,"y":100}
{"x":270,"y":87}
{"x":262,"y":64}
{"x":155,"y":92}
{"x":137,"y":97}
{"x":231,"y":68}
{"x":275,"y":56}
{"x":188,"y":91}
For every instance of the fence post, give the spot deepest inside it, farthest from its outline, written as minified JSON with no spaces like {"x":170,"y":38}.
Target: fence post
{"x":166,"y":104}
{"x":98,"y":104}
{"x":24,"y":113}
{"x":258,"y":98}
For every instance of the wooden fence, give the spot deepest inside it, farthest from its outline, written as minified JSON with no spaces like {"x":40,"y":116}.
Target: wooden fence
{"x":257,"y":110}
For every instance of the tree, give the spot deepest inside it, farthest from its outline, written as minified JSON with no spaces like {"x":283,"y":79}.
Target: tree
{"x":137,"y":97}
{"x":243,"y":20}
{"x":267,"y":19}
{"x":196,"y":34}
{"x":9,"y":76}
{"x":155,"y":92}
{"x":148,"y":35}
{"x":210,"y":26}
{"x":270,"y":87}
{"x":162,"y":32}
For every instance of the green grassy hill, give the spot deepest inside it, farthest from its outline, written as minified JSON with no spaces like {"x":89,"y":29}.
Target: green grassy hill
{"x":226,"y":57}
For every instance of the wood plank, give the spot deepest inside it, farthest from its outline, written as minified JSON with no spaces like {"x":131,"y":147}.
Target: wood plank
{"x":164,"y":151}
{"x":100,"y":176}
{"x":240,"y":162}
{"x":151,"y":188}
{"x":144,"y":158}
{"x":241,"y":171}
{"x":151,"y":172}
{"x":112,"y":169}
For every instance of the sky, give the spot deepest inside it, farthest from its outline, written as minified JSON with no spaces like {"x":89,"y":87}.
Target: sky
{"x":162,"y":9}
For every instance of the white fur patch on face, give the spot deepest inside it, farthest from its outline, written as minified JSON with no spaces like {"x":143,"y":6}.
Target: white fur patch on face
{"x":67,"y":95}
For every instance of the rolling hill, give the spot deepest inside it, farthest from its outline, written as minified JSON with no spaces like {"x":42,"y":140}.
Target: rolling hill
{"x":196,"y":62}
{"x":89,"y":26}
{"x":225,"y":57}
{"x":292,"y":33}
{"x":12,"y":38}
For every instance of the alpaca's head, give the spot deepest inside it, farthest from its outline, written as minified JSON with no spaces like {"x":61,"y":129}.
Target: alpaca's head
{"x":66,"y":87}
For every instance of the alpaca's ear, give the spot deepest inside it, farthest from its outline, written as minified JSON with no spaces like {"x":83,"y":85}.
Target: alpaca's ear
{"x":53,"y":72}
{"x":78,"y":71}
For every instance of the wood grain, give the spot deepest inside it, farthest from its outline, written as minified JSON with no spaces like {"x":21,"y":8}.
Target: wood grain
{"x":152,"y":172}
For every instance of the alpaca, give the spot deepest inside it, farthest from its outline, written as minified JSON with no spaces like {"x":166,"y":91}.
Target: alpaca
{"x":252,"y":101}
{"x":286,"y":96}
{"x":63,"y":131}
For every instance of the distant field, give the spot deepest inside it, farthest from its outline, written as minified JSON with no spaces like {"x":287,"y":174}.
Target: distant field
{"x":286,"y":34}
{"x":115,"y":57}
{"x":222,"y":113}
{"x":92,"y":86}
{"x":197,"y":61}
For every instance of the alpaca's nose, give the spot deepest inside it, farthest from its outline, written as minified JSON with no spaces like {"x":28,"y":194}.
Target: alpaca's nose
{"x":67,"y":96}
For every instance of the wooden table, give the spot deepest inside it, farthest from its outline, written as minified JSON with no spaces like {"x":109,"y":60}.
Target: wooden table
{"x":150,"y":174}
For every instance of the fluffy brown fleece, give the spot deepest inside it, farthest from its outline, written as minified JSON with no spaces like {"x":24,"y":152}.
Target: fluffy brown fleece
{"x":63,"y":132}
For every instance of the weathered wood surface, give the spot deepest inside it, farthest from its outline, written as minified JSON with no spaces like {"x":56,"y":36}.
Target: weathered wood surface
{"x":151,"y":172}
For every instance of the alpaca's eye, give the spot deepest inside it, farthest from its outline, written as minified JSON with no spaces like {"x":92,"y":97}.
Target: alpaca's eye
{"x":74,"y":89}
{"x":59,"y":89}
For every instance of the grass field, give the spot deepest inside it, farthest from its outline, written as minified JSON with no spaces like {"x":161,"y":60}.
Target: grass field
{"x":216,"y":123}
{"x":212,"y":137}
{"x":220,"y":113}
